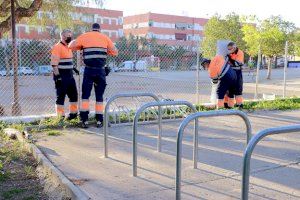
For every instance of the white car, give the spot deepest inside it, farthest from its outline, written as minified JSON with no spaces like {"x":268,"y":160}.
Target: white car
{"x":2,"y":72}
{"x":130,"y":66}
{"x":25,"y":71}
{"x":44,"y":69}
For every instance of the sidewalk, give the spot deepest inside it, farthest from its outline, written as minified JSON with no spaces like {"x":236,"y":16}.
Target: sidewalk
{"x":275,"y":172}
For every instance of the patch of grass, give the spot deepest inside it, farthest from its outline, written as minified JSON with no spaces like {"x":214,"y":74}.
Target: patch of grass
{"x":278,"y":104}
{"x":12,"y":151}
{"x":4,"y":176}
{"x":58,"y":122}
{"x":53,"y":133}
{"x":29,"y":198}
{"x":29,"y":171}
{"x":12,"y":193}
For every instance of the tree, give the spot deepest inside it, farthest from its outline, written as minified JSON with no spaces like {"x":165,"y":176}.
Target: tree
{"x":271,"y":35}
{"x":127,"y":49}
{"x":27,"y":9}
{"x":294,"y":43}
{"x":252,"y":39}
{"x":229,"y":28}
{"x":177,"y":55}
{"x":297,"y":44}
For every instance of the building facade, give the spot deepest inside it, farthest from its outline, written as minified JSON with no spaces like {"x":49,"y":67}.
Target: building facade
{"x":167,"y":29}
{"x":111,"y":22}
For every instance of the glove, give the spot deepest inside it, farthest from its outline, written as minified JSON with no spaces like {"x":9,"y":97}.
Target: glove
{"x":214,"y":81}
{"x":57,"y":80}
{"x":107,"y":71}
{"x":76,"y":71}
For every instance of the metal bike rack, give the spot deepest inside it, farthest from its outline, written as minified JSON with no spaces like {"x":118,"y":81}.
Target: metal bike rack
{"x":159,"y":104}
{"x":106,"y":111}
{"x":194,"y":116}
{"x":250,"y":147}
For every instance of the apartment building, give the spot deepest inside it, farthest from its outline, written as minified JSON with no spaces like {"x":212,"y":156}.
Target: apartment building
{"x":111,"y":22}
{"x":172,"y":30}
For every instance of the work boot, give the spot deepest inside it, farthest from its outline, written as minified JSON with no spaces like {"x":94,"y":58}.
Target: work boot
{"x":72,"y":116}
{"x":99,"y":124}
{"x":240,"y":106}
{"x":84,"y":124}
{"x":226,"y":106}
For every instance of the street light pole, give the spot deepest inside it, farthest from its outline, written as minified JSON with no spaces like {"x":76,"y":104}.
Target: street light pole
{"x":16,"y":109}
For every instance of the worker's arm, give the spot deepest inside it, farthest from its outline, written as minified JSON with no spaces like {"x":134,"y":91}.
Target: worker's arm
{"x":238,"y":58}
{"x":55,"y":57}
{"x":76,"y":45}
{"x":111,"y":50}
{"x":213,"y":68}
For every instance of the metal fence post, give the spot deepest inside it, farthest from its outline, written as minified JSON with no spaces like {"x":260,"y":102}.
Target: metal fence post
{"x":250,"y":147}
{"x":198,"y":76}
{"x":257,"y":73}
{"x":284,"y":69}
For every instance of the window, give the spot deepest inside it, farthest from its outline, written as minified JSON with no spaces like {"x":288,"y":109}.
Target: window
{"x":88,"y":18}
{"x":99,"y":20}
{"x":121,"y":33}
{"x":106,"y":33}
{"x":114,"y":34}
{"x":190,"y":26}
{"x":151,"y":23}
{"x":120,"y":21}
{"x":113,"y":21}
{"x":150,"y":35}
{"x":105,"y":21}
{"x":144,"y":24}
{"x":181,"y":26}
{"x":198,"y":27}
{"x":180,"y":36}
{"x":76,"y":16}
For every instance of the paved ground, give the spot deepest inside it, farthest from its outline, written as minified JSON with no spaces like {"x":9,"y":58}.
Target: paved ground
{"x":275,"y":172}
{"x":37,"y":94}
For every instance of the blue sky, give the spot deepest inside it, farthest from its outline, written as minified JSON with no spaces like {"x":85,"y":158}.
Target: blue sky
{"x":289,"y":9}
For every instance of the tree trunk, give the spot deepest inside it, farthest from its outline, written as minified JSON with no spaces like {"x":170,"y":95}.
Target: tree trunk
{"x":269,"y":68}
{"x":276,"y":63}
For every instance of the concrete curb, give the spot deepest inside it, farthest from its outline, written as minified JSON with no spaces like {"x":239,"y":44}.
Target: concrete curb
{"x":73,"y":192}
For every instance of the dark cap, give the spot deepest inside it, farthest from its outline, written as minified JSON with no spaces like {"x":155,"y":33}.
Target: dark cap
{"x":96,"y":26}
{"x":204,"y":61}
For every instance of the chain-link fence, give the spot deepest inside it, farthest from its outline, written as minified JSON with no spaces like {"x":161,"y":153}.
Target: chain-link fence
{"x":141,"y":66}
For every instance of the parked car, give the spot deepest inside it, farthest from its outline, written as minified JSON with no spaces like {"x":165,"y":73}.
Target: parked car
{"x":25,"y":71}
{"x":2,"y":72}
{"x":44,"y":69}
{"x":131,"y":66}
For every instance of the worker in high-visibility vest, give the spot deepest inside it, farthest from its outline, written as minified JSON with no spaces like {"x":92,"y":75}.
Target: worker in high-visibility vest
{"x":65,"y":84}
{"x":222,"y":74}
{"x":236,"y":58}
{"x":96,"y":48}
